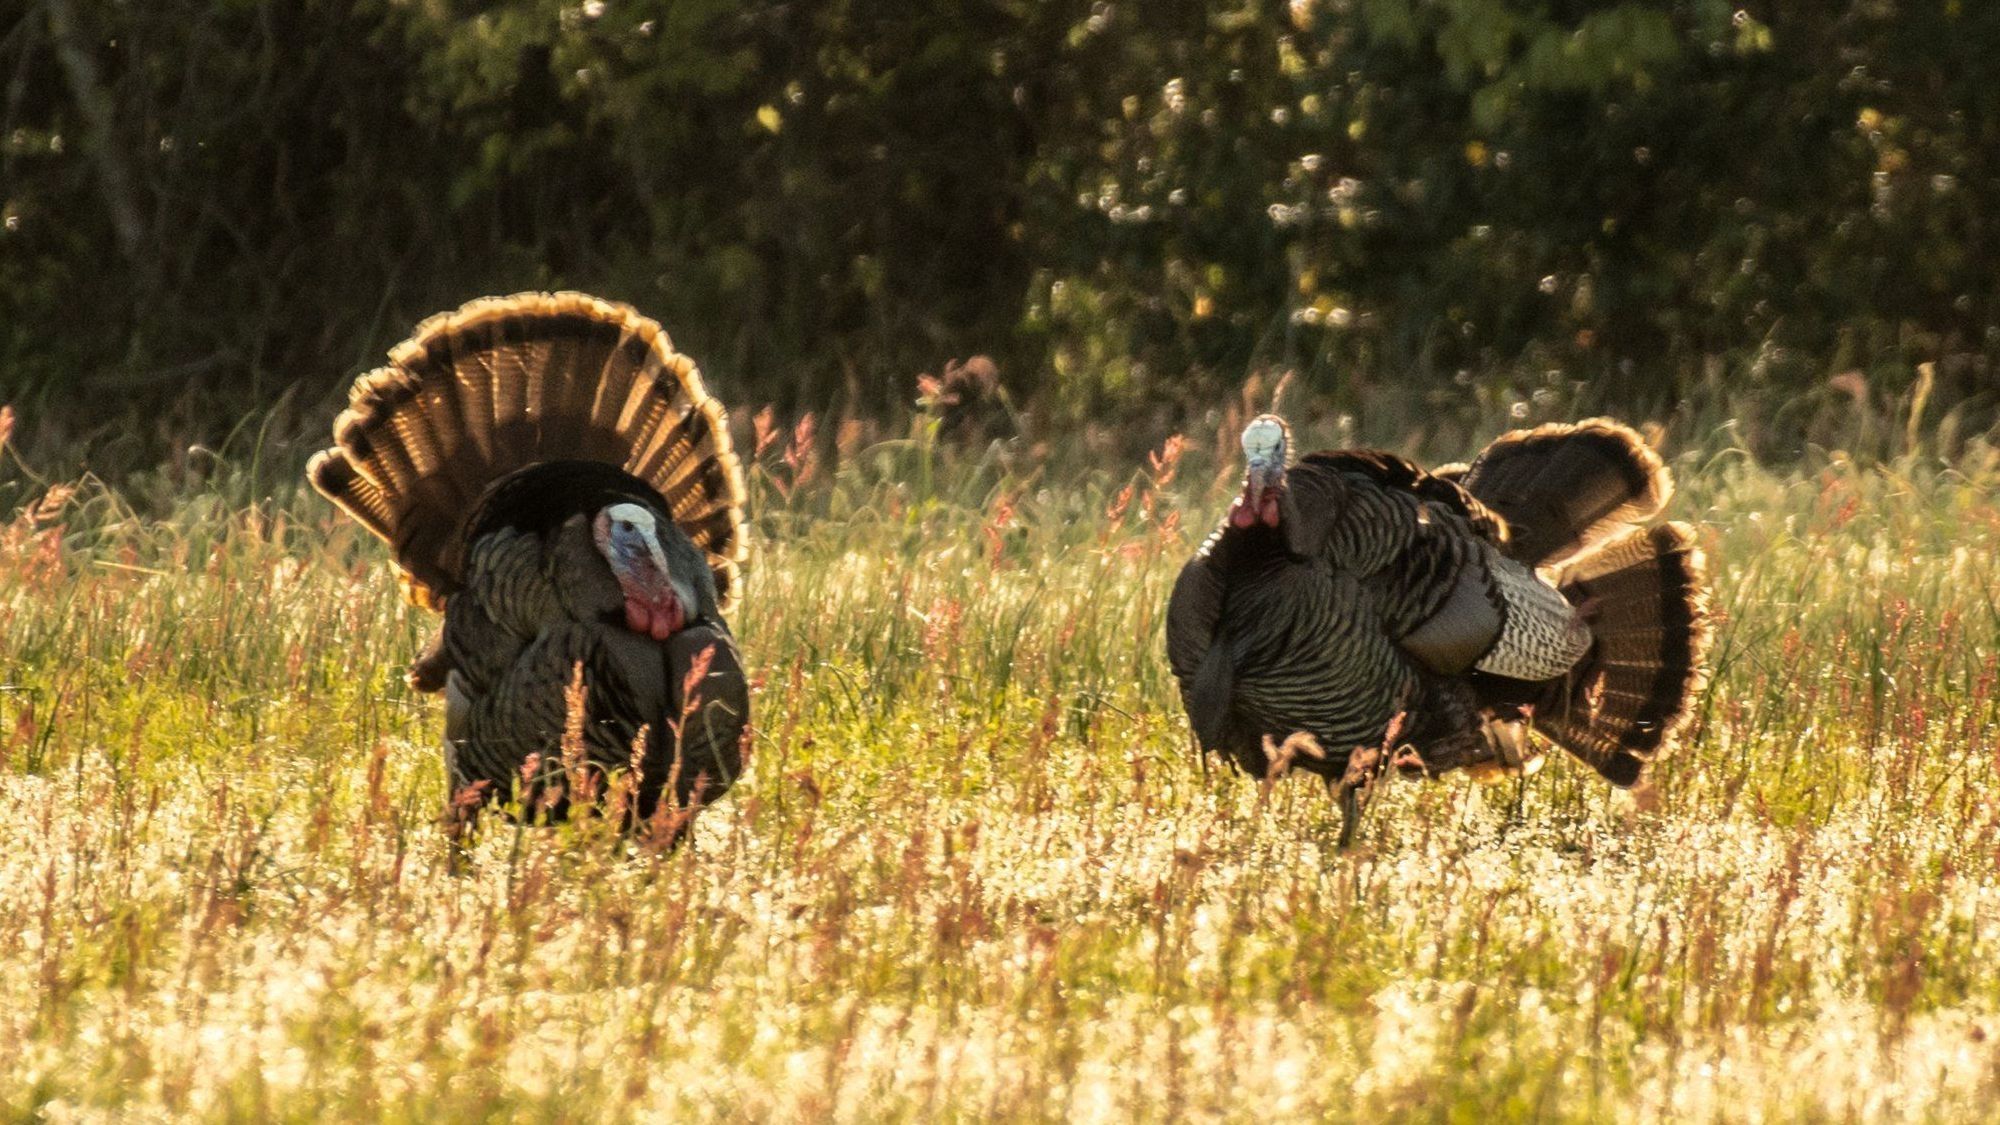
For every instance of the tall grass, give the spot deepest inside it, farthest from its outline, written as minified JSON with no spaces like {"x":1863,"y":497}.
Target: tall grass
{"x":975,"y":869}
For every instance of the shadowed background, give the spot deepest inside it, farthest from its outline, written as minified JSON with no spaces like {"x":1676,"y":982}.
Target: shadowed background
{"x":1431,"y":212}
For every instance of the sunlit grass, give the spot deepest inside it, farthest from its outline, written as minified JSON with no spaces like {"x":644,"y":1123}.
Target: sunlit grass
{"x":974,"y":869}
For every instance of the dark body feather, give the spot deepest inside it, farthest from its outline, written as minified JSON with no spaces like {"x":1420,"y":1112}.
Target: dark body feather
{"x":1392,"y":599}
{"x":1307,"y":620}
{"x":482,"y":454}
{"x":538,"y":601}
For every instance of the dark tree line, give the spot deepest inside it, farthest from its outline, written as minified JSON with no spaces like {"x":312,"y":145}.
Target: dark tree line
{"x":1424,"y":209}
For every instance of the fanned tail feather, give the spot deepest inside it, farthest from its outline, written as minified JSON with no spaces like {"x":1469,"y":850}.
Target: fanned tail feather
{"x":506,"y":382}
{"x":1566,"y":488}
{"x":1631,"y":695}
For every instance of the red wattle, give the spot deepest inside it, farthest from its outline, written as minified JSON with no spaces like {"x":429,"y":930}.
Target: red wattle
{"x":1241,"y":515}
{"x":658,"y":621}
{"x":1267,"y":508}
{"x":668,"y":619}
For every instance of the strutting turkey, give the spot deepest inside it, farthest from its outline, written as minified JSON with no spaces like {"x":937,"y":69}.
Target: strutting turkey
{"x":553,"y":476}
{"x":1353,"y":597}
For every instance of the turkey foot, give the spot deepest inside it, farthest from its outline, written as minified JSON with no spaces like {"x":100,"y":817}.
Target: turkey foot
{"x":1357,"y":781}
{"x":1356,"y":785}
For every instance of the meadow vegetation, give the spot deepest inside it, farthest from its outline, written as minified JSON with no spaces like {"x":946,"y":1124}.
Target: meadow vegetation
{"x":975,"y":868}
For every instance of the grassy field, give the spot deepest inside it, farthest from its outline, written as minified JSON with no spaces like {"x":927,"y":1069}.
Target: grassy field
{"x":975,"y":870}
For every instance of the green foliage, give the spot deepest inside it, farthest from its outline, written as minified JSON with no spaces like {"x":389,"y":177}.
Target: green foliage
{"x":1422,"y":208}
{"x":1588,"y":203}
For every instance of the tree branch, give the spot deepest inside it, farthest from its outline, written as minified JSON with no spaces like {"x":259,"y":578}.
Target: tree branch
{"x":93,"y":101}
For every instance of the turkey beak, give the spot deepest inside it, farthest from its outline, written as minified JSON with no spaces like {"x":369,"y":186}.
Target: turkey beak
{"x":1263,"y":486}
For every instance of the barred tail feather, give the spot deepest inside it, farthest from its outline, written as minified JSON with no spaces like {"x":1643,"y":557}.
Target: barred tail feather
{"x":1567,"y":488}
{"x":506,"y":382}
{"x":1631,"y":695}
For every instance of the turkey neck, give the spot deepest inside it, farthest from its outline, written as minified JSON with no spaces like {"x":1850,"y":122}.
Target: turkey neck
{"x":1244,"y":552}
{"x":1260,"y":547}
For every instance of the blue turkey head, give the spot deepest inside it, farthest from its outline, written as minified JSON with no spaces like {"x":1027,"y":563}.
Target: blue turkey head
{"x":1267,"y":446}
{"x":659,"y":599}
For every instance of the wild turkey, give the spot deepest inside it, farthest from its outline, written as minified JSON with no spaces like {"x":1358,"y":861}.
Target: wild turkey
{"x":1358,"y":599}
{"x":551,"y":474}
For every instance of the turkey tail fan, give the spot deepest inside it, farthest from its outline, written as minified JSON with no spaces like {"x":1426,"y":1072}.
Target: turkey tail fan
{"x":507,"y":382}
{"x":1565,"y":488}
{"x":1646,"y":597}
